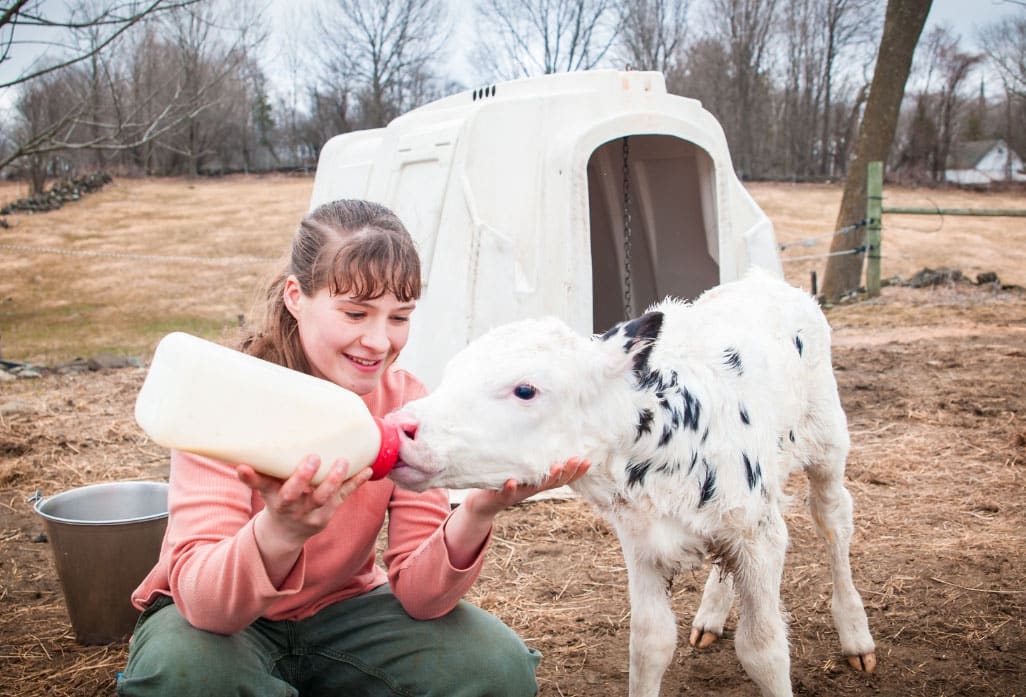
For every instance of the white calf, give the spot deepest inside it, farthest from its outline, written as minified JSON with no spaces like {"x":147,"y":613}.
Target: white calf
{"x":692,"y":416}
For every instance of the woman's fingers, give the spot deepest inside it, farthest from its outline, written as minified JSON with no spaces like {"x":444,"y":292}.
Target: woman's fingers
{"x":353,"y":483}
{"x":338,"y":485}
{"x":294,"y":487}
{"x":563,"y":473}
{"x":575,"y":469}
{"x":328,"y":489}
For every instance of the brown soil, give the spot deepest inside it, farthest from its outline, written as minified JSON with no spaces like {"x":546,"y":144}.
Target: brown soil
{"x":932,"y":381}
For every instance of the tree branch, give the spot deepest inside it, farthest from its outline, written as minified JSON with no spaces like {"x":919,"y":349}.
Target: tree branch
{"x":123,"y":25}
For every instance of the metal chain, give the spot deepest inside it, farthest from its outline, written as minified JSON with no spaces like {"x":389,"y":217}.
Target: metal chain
{"x":626,"y":232}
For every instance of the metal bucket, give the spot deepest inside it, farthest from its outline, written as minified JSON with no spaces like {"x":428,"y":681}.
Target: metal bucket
{"x":105,"y":539}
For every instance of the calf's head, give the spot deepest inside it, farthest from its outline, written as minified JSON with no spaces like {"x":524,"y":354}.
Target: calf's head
{"x":512,"y":403}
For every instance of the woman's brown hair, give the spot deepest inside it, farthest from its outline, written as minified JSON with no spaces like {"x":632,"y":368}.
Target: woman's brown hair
{"x":351,"y":246}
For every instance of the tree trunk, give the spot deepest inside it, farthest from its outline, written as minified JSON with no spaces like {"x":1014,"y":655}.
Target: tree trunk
{"x":903,"y":23}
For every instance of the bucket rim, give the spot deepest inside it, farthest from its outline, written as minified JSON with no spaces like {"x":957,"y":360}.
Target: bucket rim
{"x":38,"y":505}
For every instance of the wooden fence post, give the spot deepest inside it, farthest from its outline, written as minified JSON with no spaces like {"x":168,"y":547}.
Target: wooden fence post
{"x":874,"y":211}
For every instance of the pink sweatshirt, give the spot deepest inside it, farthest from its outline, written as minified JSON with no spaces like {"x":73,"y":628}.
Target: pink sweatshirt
{"x":209,"y":561}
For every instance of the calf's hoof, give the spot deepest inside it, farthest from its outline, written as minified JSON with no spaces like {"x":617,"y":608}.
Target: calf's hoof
{"x":865,"y":662}
{"x":703,"y":639}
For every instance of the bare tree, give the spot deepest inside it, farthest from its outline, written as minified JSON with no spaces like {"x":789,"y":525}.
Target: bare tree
{"x":65,"y":126}
{"x":43,"y":102}
{"x":703,"y":66}
{"x":903,"y":23}
{"x":107,"y":22}
{"x":653,"y":32}
{"x":956,"y":66}
{"x":941,"y":69}
{"x":1005,"y":46}
{"x":803,"y":86}
{"x":917,"y":157}
{"x":520,"y":38}
{"x":1004,"y":43}
{"x":107,"y":107}
{"x":744,"y":27}
{"x":212,"y":45}
{"x":844,"y":22}
{"x":378,"y":54}
{"x":291,"y":60}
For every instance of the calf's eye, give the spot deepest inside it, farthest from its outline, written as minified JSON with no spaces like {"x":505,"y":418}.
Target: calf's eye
{"x":525,"y":392}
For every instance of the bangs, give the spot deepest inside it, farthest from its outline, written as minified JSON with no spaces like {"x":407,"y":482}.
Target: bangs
{"x":373,"y":263}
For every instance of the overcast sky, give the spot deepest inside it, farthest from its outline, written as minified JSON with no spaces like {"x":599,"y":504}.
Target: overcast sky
{"x":965,"y":17}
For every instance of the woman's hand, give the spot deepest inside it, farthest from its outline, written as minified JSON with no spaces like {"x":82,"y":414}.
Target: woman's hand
{"x":295,"y":509}
{"x":469,"y":525}
{"x":489,"y":502}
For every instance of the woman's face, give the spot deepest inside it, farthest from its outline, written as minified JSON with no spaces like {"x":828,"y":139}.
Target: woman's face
{"x":347,"y":341}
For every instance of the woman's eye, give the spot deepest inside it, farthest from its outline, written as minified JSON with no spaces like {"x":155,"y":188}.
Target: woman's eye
{"x":525,"y":392}
{"x":356,"y":315}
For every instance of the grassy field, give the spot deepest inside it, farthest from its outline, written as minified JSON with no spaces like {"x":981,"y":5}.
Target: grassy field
{"x":931,"y":380}
{"x":141,"y":257}
{"x":119,"y":269}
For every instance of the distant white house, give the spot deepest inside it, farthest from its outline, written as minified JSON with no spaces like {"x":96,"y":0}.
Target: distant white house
{"x":983,"y":162}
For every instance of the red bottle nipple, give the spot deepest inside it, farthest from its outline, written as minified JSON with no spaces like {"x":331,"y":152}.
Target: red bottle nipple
{"x":389,"y":451}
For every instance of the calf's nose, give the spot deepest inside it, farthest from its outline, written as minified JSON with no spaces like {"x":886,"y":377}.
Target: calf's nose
{"x":405,"y":422}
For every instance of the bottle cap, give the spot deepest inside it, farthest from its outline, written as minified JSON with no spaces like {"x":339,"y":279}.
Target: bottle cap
{"x":389,"y":451}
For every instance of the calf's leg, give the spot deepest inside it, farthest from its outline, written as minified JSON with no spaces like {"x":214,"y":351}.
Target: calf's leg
{"x":761,"y":638}
{"x":830,"y":505}
{"x":653,"y":626}
{"x":831,"y":509}
{"x":717,"y":599}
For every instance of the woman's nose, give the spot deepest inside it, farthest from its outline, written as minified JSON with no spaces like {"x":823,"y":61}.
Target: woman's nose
{"x":375,"y":338}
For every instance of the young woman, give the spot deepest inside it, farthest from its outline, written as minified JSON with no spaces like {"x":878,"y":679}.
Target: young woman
{"x":271,"y":587}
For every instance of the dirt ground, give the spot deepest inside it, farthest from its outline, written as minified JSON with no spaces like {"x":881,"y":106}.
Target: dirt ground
{"x":932,"y":380}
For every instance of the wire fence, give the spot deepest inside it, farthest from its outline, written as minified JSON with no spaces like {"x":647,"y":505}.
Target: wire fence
{"x":136,"y":257}
{"x":812,"y":241}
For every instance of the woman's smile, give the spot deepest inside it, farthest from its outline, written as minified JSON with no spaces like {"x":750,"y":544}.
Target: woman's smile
{"x":368,"y":364}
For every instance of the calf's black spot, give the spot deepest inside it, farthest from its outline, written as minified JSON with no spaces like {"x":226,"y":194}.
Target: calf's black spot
{"x":665,"y":436}
{"x":645,"y":417}
{"x":692,"y":410}
{"x":753,"y":473}
{"x":733,"y":360}
{"x":708,"y":485}
{"x":636,"y":472}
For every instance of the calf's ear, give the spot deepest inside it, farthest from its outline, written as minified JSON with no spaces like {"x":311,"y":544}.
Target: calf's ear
{"x":642,"y":334}
{"x":631,"y":343}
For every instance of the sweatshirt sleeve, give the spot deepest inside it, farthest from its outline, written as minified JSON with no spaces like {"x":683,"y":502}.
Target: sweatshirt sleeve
{"x":416,"y":558}
{"x":422,"y":577}
{"x":215,"y":572}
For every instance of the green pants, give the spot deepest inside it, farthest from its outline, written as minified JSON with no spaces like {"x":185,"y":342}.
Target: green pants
{"x":365,"y":646}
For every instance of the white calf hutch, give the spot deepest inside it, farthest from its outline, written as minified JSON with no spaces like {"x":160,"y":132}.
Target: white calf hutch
{"x":560,"y":195}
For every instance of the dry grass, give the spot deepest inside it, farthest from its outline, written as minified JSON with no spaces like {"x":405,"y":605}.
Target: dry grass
{"x":972,"y":244}
{"x":113,"y":292}
{"x":55,"y":307}
{"x":931,"y":380}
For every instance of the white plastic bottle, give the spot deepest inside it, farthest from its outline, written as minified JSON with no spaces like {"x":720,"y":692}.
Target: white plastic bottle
{"x":211,"y":400}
